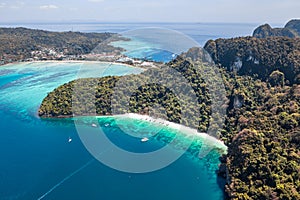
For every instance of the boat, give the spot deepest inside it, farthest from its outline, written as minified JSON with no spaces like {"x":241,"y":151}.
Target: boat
{"x":69,"y":140}
{"x":94,"y":125}
{"x":144,"y":139}
{"x":106,"y":125}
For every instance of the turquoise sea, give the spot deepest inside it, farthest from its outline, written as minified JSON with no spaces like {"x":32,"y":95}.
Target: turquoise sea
{"x":38,"y":162}
{"x":37,"y":159}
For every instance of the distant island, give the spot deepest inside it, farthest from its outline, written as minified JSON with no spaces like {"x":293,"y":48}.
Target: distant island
{"x":262,"y":83}
{"x":27,"y":45}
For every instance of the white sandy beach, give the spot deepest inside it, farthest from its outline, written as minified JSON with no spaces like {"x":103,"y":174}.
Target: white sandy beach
{"x":209,"y":140}
{"x":69,"y":61}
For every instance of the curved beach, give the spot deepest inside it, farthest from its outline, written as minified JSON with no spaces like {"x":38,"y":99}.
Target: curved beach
{"x":184,"y":130}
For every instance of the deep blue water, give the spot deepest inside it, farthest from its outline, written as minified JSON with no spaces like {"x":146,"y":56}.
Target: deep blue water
{"x":38,"y":161}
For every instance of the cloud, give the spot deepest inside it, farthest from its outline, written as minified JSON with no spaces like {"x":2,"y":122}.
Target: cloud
{"x":13,"y":5}
{"x":2,"y":5}
{"x":96,"y":1}
{"x":73,"y":9}
{"x":48,"y":7}
{"x":20,"y":3}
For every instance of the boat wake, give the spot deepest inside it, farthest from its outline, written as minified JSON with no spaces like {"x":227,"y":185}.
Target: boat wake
{"x":66,"y":178}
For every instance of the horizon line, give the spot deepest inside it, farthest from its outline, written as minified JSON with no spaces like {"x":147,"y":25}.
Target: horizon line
{"x":128,"y":22}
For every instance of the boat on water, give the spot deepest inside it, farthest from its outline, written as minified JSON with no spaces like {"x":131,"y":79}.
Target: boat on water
{"x":144,"y":139}
{"x":69,"y":140}
{"x":94,"y":125}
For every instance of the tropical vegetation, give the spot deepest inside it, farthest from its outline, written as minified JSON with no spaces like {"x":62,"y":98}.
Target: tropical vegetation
{"x":261,"y":99}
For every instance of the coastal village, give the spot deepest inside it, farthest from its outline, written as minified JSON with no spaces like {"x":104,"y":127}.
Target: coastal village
{"x":38,"y":45}
{"x":51,"y":54}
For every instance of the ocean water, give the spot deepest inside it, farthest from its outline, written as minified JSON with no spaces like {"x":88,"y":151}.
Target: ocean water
{"x":158,"y":44}
{"x":38,"y":162}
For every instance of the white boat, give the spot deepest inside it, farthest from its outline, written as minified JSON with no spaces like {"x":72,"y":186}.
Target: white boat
{"x":144,"y":139}
{"x":70,"y":140}
{"x":94,"y":125}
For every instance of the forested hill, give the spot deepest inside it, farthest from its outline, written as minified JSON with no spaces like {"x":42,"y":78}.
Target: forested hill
{"x":263,"y":133}
{"x":20,"y":43}
{"x":258,"y":57}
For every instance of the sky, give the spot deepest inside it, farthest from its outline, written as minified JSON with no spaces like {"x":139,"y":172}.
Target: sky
{"x":251,"y":11}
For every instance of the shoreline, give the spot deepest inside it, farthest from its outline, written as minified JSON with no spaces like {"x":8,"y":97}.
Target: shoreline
{"x":183,"y":129}
{"x":71,"y":61}
{"x":213,"y":141}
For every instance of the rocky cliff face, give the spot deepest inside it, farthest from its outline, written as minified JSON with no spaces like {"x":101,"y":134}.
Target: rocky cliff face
{"x":294,"y":25}
{"x":258,"y":57}
{"x":291,"y":30}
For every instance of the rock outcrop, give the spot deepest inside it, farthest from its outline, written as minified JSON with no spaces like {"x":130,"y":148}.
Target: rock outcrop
{"x":258,"y":56}
{"x":291,"y":30}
